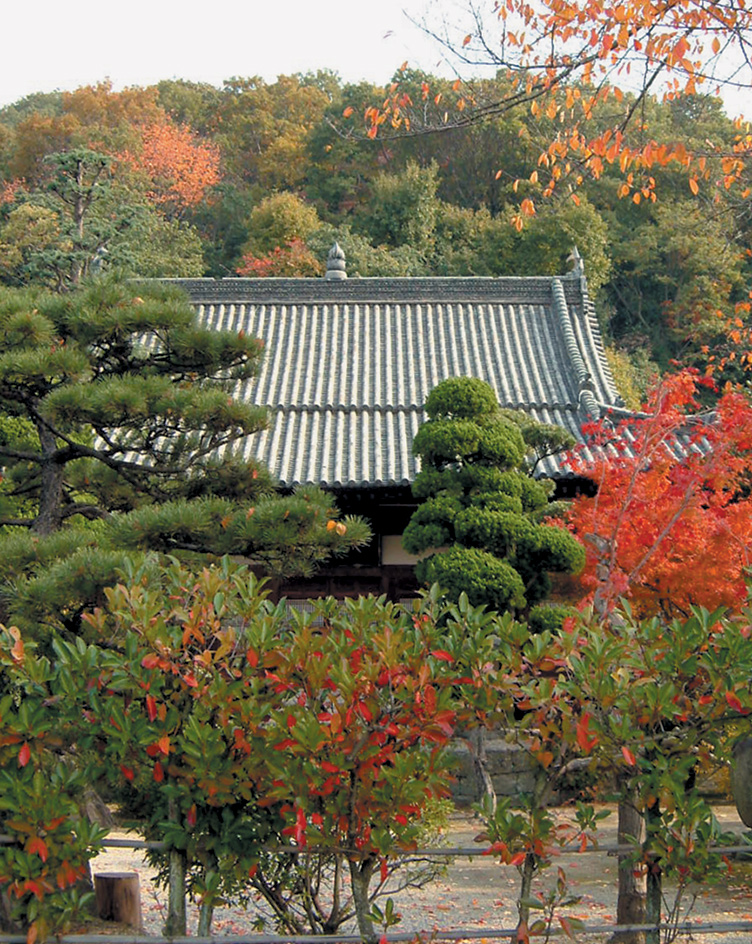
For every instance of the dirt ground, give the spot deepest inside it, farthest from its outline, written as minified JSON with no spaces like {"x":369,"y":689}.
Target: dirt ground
{"x":480,"y":894}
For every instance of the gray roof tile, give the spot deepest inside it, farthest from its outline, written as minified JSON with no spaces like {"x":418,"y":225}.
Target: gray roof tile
{"x":349,"y":364}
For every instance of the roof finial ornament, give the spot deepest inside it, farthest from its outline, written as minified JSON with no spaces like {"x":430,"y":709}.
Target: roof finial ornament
{"x":336,"y":270}
{"x":578,"y":269}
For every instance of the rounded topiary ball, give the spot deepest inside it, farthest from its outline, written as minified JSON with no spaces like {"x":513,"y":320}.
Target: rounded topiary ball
{"x":485,"y":579}
{"x":461,"y":398}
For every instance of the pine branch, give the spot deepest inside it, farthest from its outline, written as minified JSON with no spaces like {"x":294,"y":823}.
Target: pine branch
{"x":10,"y":453}
{"x":92,"y":512}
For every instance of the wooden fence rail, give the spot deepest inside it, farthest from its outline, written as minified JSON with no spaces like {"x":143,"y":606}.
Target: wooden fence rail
{"x":402,"y":937}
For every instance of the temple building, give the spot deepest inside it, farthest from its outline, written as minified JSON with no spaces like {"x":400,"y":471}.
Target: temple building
{"x":349,"y":364}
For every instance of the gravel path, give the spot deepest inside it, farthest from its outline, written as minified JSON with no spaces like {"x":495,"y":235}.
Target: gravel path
{"x":478,"y":893}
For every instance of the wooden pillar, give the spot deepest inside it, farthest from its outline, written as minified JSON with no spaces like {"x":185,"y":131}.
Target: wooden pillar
{"x":119,"y":898}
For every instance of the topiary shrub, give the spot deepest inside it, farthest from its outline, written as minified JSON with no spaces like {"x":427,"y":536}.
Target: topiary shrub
{"x":481,"y":502}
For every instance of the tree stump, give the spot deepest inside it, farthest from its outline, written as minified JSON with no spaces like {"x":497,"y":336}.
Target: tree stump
{"x":119,"y":898}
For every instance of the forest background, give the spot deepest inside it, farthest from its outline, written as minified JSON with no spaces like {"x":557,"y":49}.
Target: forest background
{"x":259,"y":178}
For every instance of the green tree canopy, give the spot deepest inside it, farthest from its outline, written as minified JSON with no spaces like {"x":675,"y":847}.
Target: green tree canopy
{"x":82,"y":217}
{"x":278,"y":219}
{"x":403,"y":208}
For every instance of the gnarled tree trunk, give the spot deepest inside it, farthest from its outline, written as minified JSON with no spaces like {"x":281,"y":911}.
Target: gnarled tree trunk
{"x":361,"y":873}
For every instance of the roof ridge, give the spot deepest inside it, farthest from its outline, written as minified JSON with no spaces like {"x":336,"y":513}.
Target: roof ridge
{"x":505,"y":289}
{"x":585,"y":380}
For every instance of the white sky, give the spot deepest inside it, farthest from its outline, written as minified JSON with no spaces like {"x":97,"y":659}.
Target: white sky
{"x":56,"y":45}
{"x":51,"y":44}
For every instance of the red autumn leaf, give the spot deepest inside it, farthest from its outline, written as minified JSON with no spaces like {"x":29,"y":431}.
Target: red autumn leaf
{"x":384,"y":870}
{"x":442,"y":654}
{"x":300,"y":827}
{"x":628,"y":756}
{"x":584,"y":739}
{"x":127,"y":772}
{"x":39,"y":846}
{"x":158,"y":772}
{"x":151,"y":661}
{"x":66,"y":875}
{"x":517,"y":859}
{"x":734,"y":703}
{"x":164,"y":745}
{"x":364,"y":712}
{"x":30,"y":885}
{"x":24,"y":755}
{"x":252,"y":657}
{"x":151,"y":707}
{"x":665,"y":529}
{"x":191,"y":816}
{"x":252,"y":870}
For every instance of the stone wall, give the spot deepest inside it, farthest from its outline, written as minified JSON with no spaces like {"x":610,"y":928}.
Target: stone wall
{"x":510,"y":768}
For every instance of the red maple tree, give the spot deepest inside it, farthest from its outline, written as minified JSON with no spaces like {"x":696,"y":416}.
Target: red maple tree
{"x":671,"y":524}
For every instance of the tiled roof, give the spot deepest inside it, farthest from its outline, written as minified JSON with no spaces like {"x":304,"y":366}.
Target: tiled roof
{"x":349,"y":363}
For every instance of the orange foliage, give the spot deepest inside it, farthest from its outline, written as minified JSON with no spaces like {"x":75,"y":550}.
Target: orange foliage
{"x":129,"y":125}
{"x":181,"y":167}
{"x":739,"y":338}
{"x":93,"y":116}
{"x":671,"y":524}
{"x":36,"y":137}
{"x":564,"y":58}
{"x":9,"y":190}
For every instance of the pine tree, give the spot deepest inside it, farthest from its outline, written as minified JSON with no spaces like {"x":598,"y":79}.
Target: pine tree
{"x":122,"y":421}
